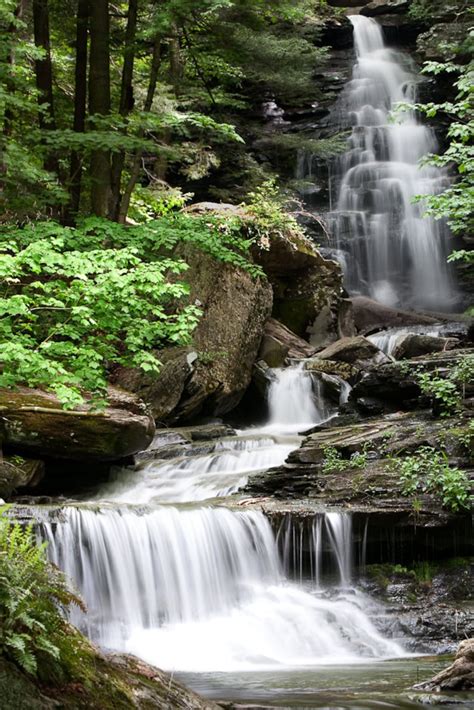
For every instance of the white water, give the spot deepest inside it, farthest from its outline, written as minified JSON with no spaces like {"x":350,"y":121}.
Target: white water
{"x":393,"y":253}
{"x":296,"y":401}
{"x":204,"y":588}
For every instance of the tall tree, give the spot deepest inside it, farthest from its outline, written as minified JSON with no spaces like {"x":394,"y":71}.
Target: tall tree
{"x":126,"y":102}
{"x":99,"y":102}
{"x":80,"y":102}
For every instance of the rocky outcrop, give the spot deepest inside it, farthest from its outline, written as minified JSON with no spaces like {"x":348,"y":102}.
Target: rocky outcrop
{"x":280,"y":344}
{"x":458,"y":676}
{"x":33,"y":421}
{"x":211,"y":376}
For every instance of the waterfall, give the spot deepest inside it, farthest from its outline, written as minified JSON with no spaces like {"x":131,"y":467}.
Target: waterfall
{"x":391,"y":252}
{"x":296,"y":399}
{"x":387,"y":340}
{"x":204,"y":590}
{"x":207,"y":588}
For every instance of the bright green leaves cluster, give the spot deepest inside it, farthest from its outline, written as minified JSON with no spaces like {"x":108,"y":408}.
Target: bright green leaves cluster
{"x":75,"y":303}
{"x":428,"y":471}
{"x":455,"y":203}
{"x":335,"y":462}
{"x":32,"y":592}
{"x":448,"y":392}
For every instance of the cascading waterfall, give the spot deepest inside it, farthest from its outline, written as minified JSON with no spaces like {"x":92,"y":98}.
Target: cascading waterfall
{"x":202,"y":588}
{"x":390,"y":251}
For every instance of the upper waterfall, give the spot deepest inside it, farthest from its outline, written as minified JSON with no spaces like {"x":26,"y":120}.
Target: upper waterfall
{"x":390,"y":250}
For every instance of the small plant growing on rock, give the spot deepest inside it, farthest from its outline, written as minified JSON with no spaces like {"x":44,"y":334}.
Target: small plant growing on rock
{"x":429,"y":471}
{"x":333,"y":460}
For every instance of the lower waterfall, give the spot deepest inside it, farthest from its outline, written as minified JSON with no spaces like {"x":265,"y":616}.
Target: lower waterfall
{"x":207,"y":587}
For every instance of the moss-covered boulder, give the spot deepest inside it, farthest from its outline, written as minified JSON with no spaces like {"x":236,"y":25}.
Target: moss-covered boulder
{"x":34,"y":421}
{"x":211,"y":376}
{"x":94,"y":681}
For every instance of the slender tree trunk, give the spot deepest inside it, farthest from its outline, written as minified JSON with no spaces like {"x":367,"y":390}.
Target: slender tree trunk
{"x":126,"y":102}
{"x":80,"y":103}
{"x":136,"y":165}
{"x":99,"y":102}
{"x":44,"y":75}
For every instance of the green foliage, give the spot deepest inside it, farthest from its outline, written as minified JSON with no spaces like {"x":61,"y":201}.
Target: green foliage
{"x":428,"y":471}
{"x":32,"y":595}
{"x":75,"y":302}
{"x":455,"y":203}
{"x":266,"y":205}
{"x":333,"y":460}
{"x":448,"y":392}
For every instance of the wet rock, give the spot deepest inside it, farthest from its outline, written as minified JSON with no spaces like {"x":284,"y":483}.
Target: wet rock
{"x":279,"y":343}
{"x":459,"y":675}
{"x":413,"y":345}
{"x":382,"y":7}
{"x":18,"y":472}
{"x":34,"y":421}
{"x":209,"y":378}
{"x":357,"y":351}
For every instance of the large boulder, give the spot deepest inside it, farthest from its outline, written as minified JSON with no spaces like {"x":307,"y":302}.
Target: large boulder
{"x":34,"y":421}
{"x":307,"y":287}
{"x":413,"y":345}
{"x":458,"y":676}
{"x":211,"y":376}
{"x":382,"y":7}
{"x":279,"y":343}
{"x":369,"y":316}
{"x":357,"y":351}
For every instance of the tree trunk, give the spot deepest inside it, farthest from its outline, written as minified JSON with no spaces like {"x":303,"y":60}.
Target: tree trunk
{"x":135,"y":170}
{"x":44,"y":75}
{"x":99,"y":102}
{"x":80,"y":101}
{"x":126,"y":102}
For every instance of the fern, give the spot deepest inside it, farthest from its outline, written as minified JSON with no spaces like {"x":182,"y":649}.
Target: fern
{"x":33,"y":593}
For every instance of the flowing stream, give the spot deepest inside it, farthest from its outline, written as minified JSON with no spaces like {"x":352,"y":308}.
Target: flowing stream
{"x":389,"y":251}
{"x":206,"y":587}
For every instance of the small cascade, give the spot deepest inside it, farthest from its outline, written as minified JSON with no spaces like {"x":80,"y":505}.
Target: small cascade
{"x":296,"y":400}
{"x":393,"y":253}
{"x":204,"y":589}
{"x":215,"y":475}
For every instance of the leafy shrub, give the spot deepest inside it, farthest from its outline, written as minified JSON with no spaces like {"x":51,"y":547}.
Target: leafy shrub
{"x":448,"y":392}
{"x":32,"y":595}
{"x":267,"y":207}
{"x":76,"y":302}
{"x":428,"y":471}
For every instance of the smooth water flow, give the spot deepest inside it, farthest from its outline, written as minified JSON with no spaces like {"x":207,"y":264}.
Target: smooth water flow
{"x":206,"y":588}
{"x":296,"y":401}
{"x":390,"y":251}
